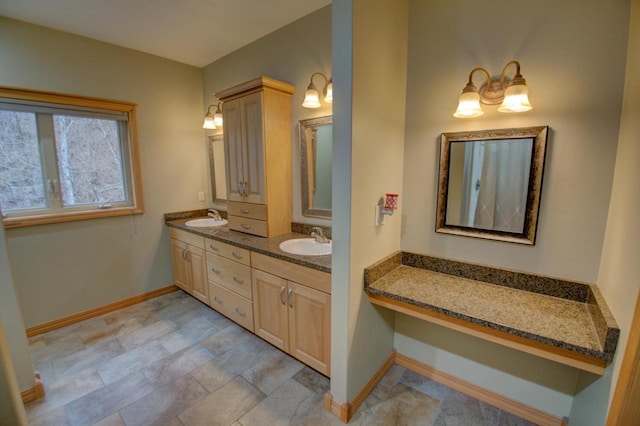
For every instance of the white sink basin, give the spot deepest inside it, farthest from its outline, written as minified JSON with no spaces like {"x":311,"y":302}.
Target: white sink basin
{"x":206,"y":223}
{"x":306,"y":247}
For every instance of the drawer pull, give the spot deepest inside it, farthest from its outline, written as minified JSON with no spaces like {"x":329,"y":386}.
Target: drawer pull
{"x":289,"y":298}
{"x":217,"y":300}
{"x":239,"y":312}
{"x":245,"y":211}
{"x":282,"y":295}
{"x":214,"y":248}
{"x":245,"y":226}
{"x":216,"y":271}
{"x":238,"y":280}
{"x":236,"y":255}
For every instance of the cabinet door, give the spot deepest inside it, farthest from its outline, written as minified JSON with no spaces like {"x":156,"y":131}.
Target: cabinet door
{"x":198,"y":269}
{"x":234,"y":162}
{"x":252,"y":147}
{"x":270,"y":309}
{"x":181,"y":269}
{"x":310,"y":326}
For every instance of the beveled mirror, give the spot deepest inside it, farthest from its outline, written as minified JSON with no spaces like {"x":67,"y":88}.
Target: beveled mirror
{"x":217,"y":169}
{"x":315,"y":173}
{"x":490,"y":183}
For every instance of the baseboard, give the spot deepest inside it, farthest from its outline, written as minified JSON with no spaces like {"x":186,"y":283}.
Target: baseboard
{"x":91,"y":313}
{"x":346,"y":410}
{"x":36,"y":392}
{"x":499,"y":401}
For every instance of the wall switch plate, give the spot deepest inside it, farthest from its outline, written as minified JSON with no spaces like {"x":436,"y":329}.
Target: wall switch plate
{"x":201,"y":196}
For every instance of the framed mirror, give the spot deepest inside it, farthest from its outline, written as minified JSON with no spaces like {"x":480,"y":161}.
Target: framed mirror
{"x":217,"y":169}
{"x":315,"y":174}
{"x":490,"y":183}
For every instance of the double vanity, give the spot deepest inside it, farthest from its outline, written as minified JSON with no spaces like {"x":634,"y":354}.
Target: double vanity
{"x":283,"y":298}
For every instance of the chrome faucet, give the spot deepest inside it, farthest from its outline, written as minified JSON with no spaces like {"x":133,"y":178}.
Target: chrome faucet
{"x":319,"y":235}
{"x":214,"y":214}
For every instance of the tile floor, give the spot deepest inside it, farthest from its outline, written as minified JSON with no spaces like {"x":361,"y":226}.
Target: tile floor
{"x":174,"y":361}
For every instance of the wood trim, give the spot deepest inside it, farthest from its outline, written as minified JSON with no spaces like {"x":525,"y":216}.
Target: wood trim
{"x":44,"y":219}
{"x":36,"y":392}
{"x":259,"y":83}
{"x":91,"y":313}
{"x":514,"y":407}
{"x":624,"y":409}
{"x":346,"y":410}
{"x":563,"y":356}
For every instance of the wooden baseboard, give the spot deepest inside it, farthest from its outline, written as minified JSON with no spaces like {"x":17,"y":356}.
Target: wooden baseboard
{"x":514,"y":407}
{"x":346,"y":410}
{"x":36,"y":392}
{"x":91,"y":313}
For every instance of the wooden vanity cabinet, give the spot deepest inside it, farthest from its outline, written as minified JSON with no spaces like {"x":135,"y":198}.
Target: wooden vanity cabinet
{"x":292,"y":309}
{"x":229,"y":275}
{"x":189,"y":263}
{"x":257,"y":139}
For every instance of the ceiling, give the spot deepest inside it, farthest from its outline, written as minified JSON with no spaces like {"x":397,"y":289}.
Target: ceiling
{"x":195,"y":32}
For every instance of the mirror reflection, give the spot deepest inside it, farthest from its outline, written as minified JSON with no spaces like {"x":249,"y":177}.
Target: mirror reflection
{"x":217,"y":169}
{"x":490,"y":183}
{"x":316,"y":157}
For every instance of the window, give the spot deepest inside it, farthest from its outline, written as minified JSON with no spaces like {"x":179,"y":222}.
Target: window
{"x":65,"y":158}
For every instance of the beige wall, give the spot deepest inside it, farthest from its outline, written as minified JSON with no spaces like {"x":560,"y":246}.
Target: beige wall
{"x":290,"y":54}
{"x":619,"y":269}
{"x":572,"y":54}
{"x":62,"y":269}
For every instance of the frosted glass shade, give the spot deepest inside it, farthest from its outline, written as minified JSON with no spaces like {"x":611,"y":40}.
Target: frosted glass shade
{"x":468,"y":105}
{"x":329,"y":96}
{"x":217,"y":119}
{"x":208,"y":122}
{"x":516,"y":99}
{"x":311,"y":98}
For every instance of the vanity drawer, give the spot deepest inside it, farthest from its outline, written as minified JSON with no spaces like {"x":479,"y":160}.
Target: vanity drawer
{"x":313,"y":278}
{"x":250,"y":210}
{"x":187,"y":237}
{"x":250,"y":226}
{"x":229,"y":251}
{"x":229,"y":304}
{"x":229,"y":274}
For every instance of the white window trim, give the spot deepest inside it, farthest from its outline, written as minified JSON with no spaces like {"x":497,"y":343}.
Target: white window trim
{"x":126,"y":108}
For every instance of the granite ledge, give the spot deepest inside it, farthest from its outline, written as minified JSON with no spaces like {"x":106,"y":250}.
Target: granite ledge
{"x":267,"y":246}
{"x":584,"y":326}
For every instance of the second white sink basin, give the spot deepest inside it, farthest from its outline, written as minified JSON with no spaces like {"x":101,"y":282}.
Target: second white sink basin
{"x":306,"y":247}
{"x":206,"y":223}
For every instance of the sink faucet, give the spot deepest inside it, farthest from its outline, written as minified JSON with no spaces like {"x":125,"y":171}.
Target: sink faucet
{"x":319,"y":235}
{"x":214,"y":214}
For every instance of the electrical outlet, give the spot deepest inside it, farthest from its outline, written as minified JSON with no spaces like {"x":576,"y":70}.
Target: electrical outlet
{"x":201,"y":196}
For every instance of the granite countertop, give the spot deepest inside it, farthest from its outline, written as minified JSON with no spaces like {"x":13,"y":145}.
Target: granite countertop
{"x":579,"y":323}
{"x":267,"y":246}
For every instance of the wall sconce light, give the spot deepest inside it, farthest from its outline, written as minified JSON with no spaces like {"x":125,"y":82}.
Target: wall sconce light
{"x":311,"y":96}
{"x":213,"y":121}
{"x":389,"y":206}
{"x":513,"y":94}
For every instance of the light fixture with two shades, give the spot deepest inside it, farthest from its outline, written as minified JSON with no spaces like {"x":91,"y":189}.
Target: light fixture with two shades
{"x":311,"y":95}
{"x":512,"y":95}
{"x":213,"y":121}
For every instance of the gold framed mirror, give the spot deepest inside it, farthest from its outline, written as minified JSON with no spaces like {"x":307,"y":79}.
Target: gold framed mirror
{"x":315,"y":166}
{"x":490,"y":182}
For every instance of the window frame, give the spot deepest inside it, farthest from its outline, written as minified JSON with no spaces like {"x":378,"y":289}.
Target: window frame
{"x":131,"y":165}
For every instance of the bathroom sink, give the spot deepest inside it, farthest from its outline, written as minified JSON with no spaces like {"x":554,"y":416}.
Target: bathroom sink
{"x":306,"y":247}
{"x":206,"y":223}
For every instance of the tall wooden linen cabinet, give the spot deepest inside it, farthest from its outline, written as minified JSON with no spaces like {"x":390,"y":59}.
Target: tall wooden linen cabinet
{"x":257,"y":143}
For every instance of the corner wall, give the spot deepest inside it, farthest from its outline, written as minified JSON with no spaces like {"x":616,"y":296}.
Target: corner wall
{"x":572,"y":55}
{"x":62,"y":269}
{"x":619,"y":269}
{"x":370,"y":87}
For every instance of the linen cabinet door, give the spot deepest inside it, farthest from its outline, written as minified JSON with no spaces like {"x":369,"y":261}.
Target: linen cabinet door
{"x":234,"y":158}
{"x":253,"y":147}
{"x":270,"y":309}
{"x":310,"y":326}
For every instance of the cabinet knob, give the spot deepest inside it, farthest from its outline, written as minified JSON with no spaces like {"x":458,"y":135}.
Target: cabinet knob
{"x":245,"y":211}
{"x":216,"y":271}
{"x":214,"y":248}
{"x":236,"y":255}
{"x":238,"y":280}
{"x":239,"y":312}
{"x":217,"y":300}
{"x":245,"y":226}
{"x":282,"y":295}
{"x":289,"y":298}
